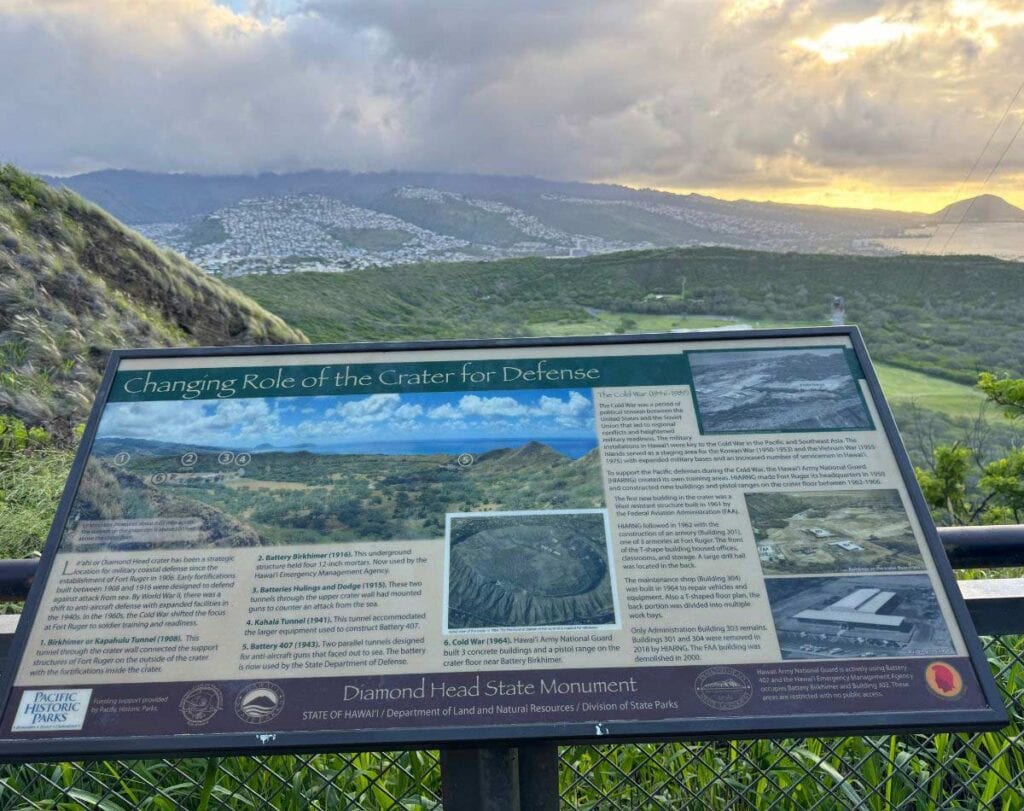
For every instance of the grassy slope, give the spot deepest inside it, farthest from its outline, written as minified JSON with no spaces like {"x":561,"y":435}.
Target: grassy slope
{"x":74,"y":283}
{"x":31,"y":484}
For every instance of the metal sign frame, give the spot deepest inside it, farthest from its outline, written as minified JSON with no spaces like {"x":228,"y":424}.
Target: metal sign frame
{"x":992,"y":716}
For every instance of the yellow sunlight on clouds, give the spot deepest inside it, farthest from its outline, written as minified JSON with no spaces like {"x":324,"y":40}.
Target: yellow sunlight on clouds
{"x":841,"y":40}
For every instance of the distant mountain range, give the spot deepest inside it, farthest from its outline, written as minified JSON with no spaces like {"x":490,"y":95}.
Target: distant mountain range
{"x":329,"y":221}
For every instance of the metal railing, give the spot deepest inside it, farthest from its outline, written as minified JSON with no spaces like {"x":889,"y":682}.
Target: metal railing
{"x":941,"y":771}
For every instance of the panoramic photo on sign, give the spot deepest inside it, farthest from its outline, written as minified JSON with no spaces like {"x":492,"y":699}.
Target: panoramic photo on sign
{"x":648,"y":535}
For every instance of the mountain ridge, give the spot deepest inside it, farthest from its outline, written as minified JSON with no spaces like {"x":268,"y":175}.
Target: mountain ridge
{"x":965,"y":308}
{"x":227,"y":186}
{"x":336,"y":220}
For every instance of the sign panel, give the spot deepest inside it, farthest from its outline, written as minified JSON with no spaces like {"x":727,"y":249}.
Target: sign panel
{"x":647,"y":536}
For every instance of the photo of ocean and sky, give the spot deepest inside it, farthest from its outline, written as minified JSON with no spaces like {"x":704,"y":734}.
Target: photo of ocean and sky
{"x":334,"y":468}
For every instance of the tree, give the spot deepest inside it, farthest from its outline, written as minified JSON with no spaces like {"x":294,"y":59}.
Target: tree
{"x":1007,"y":392}
{"x":998,"y":495}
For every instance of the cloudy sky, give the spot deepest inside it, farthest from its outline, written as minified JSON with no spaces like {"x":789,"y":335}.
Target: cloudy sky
{"x":855,"y":102}
{"x":515,"y":416}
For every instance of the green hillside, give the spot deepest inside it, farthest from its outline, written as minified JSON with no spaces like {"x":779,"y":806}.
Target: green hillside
{"x":74,"y":283}
{"x":946,"y":317}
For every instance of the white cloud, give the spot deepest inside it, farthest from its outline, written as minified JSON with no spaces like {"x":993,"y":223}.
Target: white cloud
{"x":195,"y":421}
{"x":473,"y":405}
{"x":575,"y":411}
{"x":668,"y":93}
{"x":445,"y":411}
{"x":843,"y":39}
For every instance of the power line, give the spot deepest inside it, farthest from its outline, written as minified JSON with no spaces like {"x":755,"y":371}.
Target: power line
{"x":977,"y":161}
{"x":988,"y":177}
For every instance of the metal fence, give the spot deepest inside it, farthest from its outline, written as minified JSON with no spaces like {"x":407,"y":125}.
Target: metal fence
{"x":943,"y":771}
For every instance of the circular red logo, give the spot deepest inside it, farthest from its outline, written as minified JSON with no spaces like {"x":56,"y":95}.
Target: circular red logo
{"x":944,"y":680}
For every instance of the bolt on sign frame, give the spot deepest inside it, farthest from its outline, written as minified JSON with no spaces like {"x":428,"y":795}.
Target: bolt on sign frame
{"x":366,"y":546}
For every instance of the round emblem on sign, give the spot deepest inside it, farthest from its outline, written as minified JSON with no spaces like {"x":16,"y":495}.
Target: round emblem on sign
{"x":723,"y":688}
{"x":944,"y":680}
{"x":465,"y":459}
{"x":201,"y":703}
{"x":259,"y":702}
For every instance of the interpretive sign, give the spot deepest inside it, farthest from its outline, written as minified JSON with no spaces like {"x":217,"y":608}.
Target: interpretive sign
{"x":381,"y":545}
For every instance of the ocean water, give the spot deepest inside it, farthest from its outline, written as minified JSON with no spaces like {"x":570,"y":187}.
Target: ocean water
{"x":573,"y":447}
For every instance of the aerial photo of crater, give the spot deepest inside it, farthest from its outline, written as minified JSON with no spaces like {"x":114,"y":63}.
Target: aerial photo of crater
{"x":529,"y":570}
{"x":791,"y":389}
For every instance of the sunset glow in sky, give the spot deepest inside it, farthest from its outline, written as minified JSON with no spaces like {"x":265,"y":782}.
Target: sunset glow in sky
{"x":866,"y":103}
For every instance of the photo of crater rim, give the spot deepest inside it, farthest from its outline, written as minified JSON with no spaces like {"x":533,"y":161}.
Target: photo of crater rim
{"x":530,"y":570}
{"x":834,"y":532}
{"x":765,"y":390}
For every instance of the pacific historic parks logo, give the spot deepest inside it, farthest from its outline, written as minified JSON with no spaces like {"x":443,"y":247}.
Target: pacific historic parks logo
{"x":723,"y":688}
{"x":259,"y":702}
{"x":201,"y":703}
{"x":944,"y":680}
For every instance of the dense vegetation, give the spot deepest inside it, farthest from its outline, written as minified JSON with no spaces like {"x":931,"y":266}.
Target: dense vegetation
{"x":963,"y":486}
{"x":949,"y":317}
{"x":74,"y":283}
{"x":33,"y":469}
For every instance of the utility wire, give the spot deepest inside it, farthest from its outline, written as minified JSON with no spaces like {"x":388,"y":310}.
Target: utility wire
{"x":974,"y":166}
{"x":977,"y":160}
{"x":988,"y":177}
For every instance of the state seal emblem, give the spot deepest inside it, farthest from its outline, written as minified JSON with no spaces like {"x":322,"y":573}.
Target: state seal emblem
{"x":259,"y":702}
{"x":723,"y":688}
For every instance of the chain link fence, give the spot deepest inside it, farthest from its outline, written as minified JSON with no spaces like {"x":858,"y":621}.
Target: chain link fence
{"x":944,"y":771}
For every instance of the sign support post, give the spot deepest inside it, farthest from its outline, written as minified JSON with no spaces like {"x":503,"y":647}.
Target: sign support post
{"x":538,"y":777}
{"x":484,"y":779}
{"x":502,"y":778}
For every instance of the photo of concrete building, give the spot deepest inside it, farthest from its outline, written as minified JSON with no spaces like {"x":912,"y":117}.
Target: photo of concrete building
{"x":862,"y":608}
{"x":857,"y":617}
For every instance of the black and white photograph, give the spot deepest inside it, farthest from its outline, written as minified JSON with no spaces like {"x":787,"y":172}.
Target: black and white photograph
{"x":858,"y":617}
{"x":529,"y":570}
{"x":833,"y":531}
{"x":765,"y":390}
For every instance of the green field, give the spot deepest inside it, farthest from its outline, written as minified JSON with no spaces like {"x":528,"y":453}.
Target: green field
{"x":933,"y":393}
{"x":602,"y":322}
